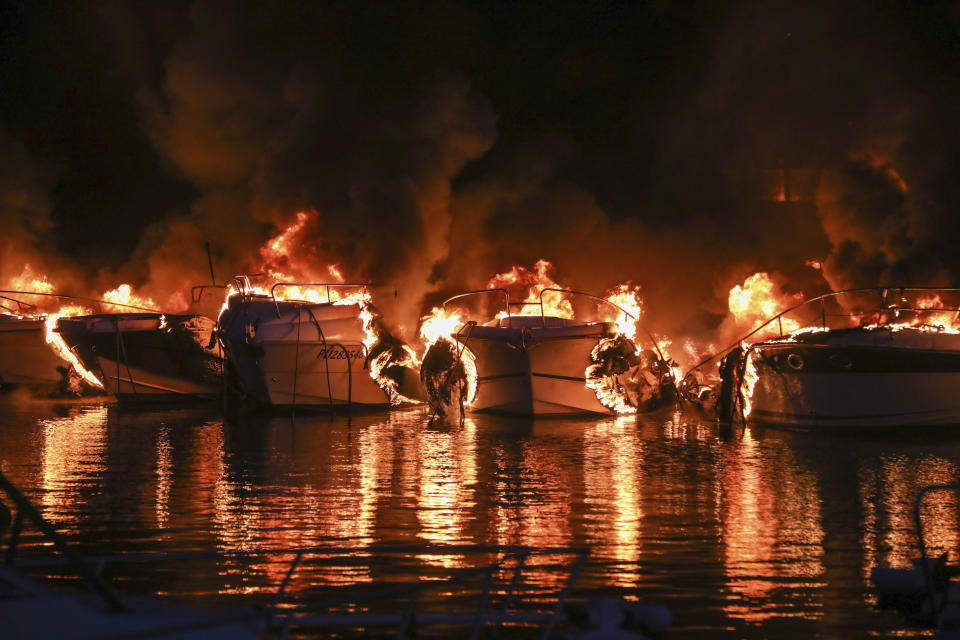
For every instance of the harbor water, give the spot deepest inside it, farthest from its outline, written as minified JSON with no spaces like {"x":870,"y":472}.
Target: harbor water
{"x":753,"y":533}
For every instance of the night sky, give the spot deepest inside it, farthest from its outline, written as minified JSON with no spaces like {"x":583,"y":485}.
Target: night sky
{"x":682,"y":145}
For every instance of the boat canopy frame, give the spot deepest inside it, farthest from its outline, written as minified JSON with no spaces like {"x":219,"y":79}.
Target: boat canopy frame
{"x":822,"y":299}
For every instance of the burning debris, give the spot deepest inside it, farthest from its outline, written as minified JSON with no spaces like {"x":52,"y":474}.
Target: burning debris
{"x":627,"y":379}
{"x":443,"y":373}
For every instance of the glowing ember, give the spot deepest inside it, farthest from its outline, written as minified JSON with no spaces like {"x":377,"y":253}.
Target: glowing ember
{"x":754,"y":302}
{"x":555,"y":304}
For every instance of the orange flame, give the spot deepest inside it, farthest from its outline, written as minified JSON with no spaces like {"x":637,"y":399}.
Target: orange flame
{"x":123,"y":295}
{"x":755,"y":301}
{"x":627,"y":297}
{"x":30,"y":281}
{"x":556,"y":305}
{"x":441,"y":324}
{"x":55,"y":340}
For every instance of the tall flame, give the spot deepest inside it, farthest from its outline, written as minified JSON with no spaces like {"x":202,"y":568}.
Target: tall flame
{"x":55,"y":340}
{"x":123,"y":295}
{"x":441,"y":324}
{"x":534,"y":282}
{"x":755,"y":301}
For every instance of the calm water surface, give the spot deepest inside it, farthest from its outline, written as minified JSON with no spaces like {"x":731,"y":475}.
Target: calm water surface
{"x":764,"y":533}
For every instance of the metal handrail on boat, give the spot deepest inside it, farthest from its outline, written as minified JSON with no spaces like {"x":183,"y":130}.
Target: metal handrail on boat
{"x":326,"y":285}
{"x":538,"y":303}
{"x":61,"y":296}
{"x":883,"y":291}
{"x":543,"y":319}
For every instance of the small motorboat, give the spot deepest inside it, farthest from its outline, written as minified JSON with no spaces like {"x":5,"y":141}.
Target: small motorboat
{"x":148,"y":356}
{"x":899,"y":368}
{"x":542,"y":365}
{"x":300,"y":352}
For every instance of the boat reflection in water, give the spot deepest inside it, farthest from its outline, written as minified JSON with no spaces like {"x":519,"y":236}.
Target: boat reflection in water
{"x":771,"y":533}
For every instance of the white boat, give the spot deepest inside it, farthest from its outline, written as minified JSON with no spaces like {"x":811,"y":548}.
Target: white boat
{"x":25,"y":357}
{"x":294,"y":352}
{"x":533,"y":364}
{"x":148,"y":356}
{"x":903,"y":370}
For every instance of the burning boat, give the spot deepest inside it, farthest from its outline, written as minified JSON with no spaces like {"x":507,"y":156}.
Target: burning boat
{"x":895,"y":365}
{"x":32,"y":354}
{"x":534,"y":358}
{"x":151,"y":356}
{"x":25,"y":357}
{"x":314,"y":344}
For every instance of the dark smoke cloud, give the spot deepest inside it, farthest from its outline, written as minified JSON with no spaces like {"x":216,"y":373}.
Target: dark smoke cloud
{"x":265,"y":132}
{"x":683,"y":146}
{"x":25,"y":208}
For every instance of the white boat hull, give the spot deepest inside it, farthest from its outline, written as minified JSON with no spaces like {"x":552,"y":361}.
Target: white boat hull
{"x":858,"y":378}
{"x":294,"y":375}
{"x":303,"y":354}
{"x":547,"y":377}
{"x":25,"y":356}
{"x":837,"y":400}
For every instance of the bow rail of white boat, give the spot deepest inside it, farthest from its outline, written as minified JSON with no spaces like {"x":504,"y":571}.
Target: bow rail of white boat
{"x":883,"y":306}
{"x":245,"y":289}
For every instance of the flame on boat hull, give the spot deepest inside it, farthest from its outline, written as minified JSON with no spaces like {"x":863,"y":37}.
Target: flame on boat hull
{"x":307,"y":354}
{"x":862,"y":377}
{"x":143,"y":356}
{"x":534,"y":370}
{"x":25,"y":356}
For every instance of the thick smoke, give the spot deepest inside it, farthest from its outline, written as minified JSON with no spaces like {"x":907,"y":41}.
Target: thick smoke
{"x":265,"y":132}
{"x":680,"y":146}
{"x":25,"y":217}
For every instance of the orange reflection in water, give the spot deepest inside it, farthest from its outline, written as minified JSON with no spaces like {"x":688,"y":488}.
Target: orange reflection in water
{"x":445,"y":488}
{"x":888,"y":491}
{"x":164,"y":477}
{"x":73,"y":449}
{"x":613,"y":482}
{"x":772,"y":528}
{"x":532,"y":496}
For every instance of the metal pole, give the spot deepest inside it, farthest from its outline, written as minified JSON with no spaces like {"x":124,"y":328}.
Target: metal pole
{"x":213,"y":279}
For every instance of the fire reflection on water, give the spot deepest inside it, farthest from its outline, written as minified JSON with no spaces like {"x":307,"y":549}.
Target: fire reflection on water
{"x":72,"y":455}
{"x":446,"y":482}
{"x":747,"y":518}
{"x":887,"y":492}
{"x":772,"y":528}
{"x":613,"y":481}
